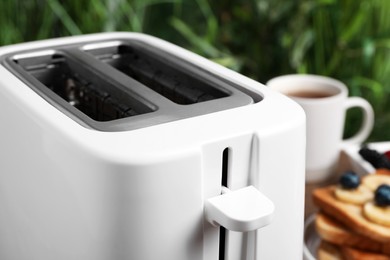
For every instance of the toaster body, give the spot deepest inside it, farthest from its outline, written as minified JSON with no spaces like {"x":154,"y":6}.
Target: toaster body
{"x":87,"y":176}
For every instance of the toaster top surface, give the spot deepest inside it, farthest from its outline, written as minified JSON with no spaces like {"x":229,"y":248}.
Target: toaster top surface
{"x":123,"y":83}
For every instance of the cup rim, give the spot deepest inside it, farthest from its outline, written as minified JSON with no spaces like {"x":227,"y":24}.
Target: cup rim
{"x":291,"y":80}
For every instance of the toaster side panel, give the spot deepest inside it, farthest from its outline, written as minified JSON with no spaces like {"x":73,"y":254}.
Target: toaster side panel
{"x":281,"y":177}
{"x":41,"y":217}
{"x":60,"y":200}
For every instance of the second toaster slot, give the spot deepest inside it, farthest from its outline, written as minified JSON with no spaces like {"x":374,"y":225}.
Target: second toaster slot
{"x":173,"y":81}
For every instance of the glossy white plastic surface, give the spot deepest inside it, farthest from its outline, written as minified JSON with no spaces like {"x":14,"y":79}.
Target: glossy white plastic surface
{"x":242,"y":210}
{"x":68,"y":192}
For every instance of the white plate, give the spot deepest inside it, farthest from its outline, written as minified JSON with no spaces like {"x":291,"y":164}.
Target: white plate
{"x":358,"y":164}
{"x":311,"y":239}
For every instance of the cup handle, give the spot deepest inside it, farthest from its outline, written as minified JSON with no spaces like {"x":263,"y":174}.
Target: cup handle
{"x":368,"y":119}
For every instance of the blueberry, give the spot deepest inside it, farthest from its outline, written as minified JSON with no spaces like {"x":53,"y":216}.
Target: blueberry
{"x":382,"y":195}
{"x":349,"y":180}
{"x":376,"y":159}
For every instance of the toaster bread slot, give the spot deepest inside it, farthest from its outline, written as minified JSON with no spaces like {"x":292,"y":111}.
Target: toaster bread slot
{"x":81,"y":88}
{"x":169,"y":78}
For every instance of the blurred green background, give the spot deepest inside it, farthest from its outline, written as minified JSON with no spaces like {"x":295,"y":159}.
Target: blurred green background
{"x":346,"y":39}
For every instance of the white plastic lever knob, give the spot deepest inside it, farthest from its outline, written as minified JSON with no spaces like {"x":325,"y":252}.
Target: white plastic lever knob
{"x":242,"y":210}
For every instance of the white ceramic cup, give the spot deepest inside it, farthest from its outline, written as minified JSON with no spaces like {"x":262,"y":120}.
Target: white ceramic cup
{"x":325,"y":101}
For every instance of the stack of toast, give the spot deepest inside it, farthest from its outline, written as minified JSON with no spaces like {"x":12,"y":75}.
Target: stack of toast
{"x":352,"y":223}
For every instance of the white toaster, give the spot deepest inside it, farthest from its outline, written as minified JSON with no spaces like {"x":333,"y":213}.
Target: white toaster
{"x":119,"y":146}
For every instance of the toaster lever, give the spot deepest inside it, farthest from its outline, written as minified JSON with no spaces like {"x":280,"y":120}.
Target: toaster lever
{"x":242,"y":210}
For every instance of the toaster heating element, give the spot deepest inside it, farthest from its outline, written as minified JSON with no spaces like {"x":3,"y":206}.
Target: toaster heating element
{"x":122,"y":146}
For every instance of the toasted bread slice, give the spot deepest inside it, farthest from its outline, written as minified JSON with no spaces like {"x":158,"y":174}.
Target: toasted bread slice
{"x":333,"y":231}
{"x":328,"y":251}
{"x":349,"y":253}
{"x":350,"y":215}
{"x":382,"y":171}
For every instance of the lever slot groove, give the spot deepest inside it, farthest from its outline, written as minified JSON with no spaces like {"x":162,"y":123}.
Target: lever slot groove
{"x":224,"y":183}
